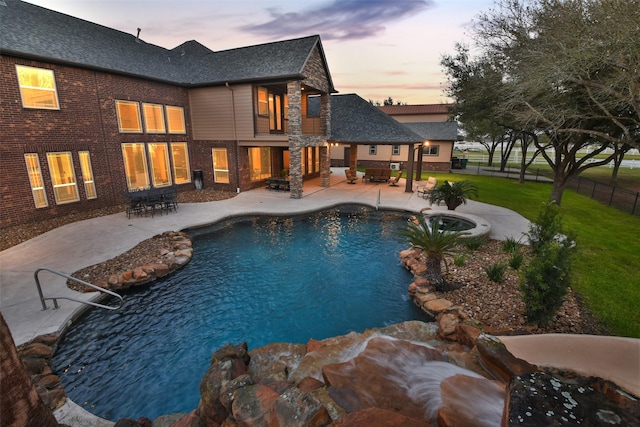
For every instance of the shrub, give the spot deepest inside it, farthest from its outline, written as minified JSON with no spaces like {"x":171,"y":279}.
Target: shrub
{"x":473,"y":243}
{"x":510,"y":245}
{"x":496,"y":271}
{"x":459,"y":260}
{"x":547,"y":276}
{"x":516,"y":259}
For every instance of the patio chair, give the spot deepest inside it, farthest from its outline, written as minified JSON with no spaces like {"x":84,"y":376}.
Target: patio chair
{"x":351,"y":176}
{"x":153,"y":201}
{"x":424,"y":190}
{"x":393,"y":181}
{"x":170,"y":199}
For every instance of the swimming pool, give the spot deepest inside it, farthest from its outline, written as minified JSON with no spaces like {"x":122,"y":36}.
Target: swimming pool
{"x":259,"y":280}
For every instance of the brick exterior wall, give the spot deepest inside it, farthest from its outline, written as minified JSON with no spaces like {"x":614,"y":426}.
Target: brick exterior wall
{"x":86,"y":121}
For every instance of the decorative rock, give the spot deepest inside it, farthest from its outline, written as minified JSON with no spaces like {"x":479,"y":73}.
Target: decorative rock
{"x":158,"y":269}
{"x":139,"y":274}
{"x":447,"y":323}
{"x":184,"y":253}
{"x":227,"y":391}
{"x":499,"y":361}
{"x":36,"y":349}
{"x":436,"y":306}
{"x":310,"y":384}
{"x":470,"y":402}
{"x":251,"y":404}
{"x":295,"y":408}
{"x":378,"y":375}
{"x":346,"y":398}
{"x":273,"y":362}
{"x":377,"y":417}
{"x":541,"y":399}
{"x":467,"y":334}
{"x":127,"y":275}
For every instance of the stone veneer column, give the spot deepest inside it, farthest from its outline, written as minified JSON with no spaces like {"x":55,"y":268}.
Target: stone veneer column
{"x":325,"y":166}
{"x":325,"y":155}
{"x":294,"y":93}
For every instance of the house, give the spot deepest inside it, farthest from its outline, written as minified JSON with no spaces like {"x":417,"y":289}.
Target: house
{"x":430,"y":121}
{"x":91,"y":114}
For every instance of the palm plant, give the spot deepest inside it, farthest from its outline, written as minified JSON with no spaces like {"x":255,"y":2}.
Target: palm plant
{"x":435,"y":243}
{"x":453,"y":194}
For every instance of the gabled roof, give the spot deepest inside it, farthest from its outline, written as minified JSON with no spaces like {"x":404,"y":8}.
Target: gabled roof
{"x":34,"y":32}
{"x":435,"y":131}
{"x":399,"y":110}
{"x":356,"y":121}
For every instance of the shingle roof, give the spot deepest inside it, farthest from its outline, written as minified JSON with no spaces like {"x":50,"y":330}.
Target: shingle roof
{"x":354,"y":120}
{"x":398,"y":110}
{"x":35,"y":32}
{"x":435,"y":131}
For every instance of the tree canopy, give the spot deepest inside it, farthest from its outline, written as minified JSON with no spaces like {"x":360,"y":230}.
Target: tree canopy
{"x":568,"y":70}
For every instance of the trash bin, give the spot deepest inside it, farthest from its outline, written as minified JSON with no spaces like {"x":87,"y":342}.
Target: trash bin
{"x":455,"y":163}
{"x":198,"y":179}
{"x":463,"y":163}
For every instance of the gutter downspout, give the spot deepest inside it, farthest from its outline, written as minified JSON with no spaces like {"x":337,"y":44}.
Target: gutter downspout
{"x":235,"y":134}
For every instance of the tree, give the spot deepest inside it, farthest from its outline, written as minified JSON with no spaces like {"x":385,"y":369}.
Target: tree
{"x":453,"y":194}
{"x":572,"y":69}
{"x":547,"y":275}
{"x":435,"y":243}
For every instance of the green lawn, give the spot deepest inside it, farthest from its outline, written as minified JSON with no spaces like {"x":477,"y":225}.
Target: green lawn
{"x":606,"y":267}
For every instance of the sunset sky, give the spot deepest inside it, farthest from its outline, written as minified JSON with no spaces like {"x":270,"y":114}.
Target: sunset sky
{"x":375,"y":48}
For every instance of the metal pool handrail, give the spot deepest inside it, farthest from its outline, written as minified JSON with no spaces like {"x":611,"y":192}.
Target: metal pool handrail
{"x":55,"y":299}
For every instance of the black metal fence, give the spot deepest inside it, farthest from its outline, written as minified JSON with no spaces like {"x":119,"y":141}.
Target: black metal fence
{"x":617,"y":197}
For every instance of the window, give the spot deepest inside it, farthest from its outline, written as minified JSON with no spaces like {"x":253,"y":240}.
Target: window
{"x":263,"y":101}
{"x":87,"y":175}
{"x":259,"y":163}
{"x":159,"y":156}
{"x":175,"y":119}
{"x":128,"y":113}
{"x":317,"y":163}
{"x":373,"y":150}
{"x":431,"y":150}
{"x":180,"y":158}
{"x":35,"y":178}
{"x":220,"y":165}
{"x":135,"y":166}
{"x":37,"y":88}
{"x":313,"y":106}
{"x":63,"y":177}
{"x":153,"y":118}
{"x":395,"y":150}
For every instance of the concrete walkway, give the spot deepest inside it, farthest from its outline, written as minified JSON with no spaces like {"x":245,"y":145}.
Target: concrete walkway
{"x":81,"y":244}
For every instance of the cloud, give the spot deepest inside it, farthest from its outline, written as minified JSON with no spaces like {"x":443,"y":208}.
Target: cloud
{"x":340,"y":20}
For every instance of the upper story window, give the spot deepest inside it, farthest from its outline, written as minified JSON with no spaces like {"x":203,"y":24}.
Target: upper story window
{"x":128,"y":116}
{"x":175,"y":119}
{"x":37,"y":88}
{"x":153,"y":118}
{"x":395,"y":150}
{"x":373,"y":150}
{"x":263,"y":101}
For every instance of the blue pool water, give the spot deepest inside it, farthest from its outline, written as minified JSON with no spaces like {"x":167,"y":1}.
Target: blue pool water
{"x":259,"y":280}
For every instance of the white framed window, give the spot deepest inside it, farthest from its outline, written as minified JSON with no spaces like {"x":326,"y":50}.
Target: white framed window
{"x":87,"y":175}
{"x":431,"y":150}
{"x":175,"y":119}
{"x":135,"y":166}
{"x":159,"y":157}
{"x":35,"y":179}
{"x":153,"y":118}
{"x":128,"y":113}
{"x":395,"y":150}
{"x":37,"y":88}
{"x":373,"y":150}
{"x":63,"y":177}
{"x":220,"y":165}
{"x":180,"y":158}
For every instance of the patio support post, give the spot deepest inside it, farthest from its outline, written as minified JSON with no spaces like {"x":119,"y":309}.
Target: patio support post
{"x":409,"y":182}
